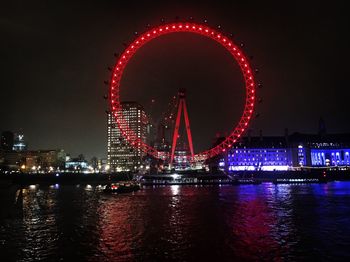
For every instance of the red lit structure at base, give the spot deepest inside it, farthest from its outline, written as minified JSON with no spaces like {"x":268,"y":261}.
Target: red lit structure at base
{"x":195,"y":28}
{"x":181,"y":106}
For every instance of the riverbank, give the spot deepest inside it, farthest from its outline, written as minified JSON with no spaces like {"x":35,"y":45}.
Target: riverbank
{"x":63,"y":178}
{"x":183,"y":178}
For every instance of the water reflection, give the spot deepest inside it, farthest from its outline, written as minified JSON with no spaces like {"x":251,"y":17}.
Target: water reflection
{"x":38,"y":224}
{"x":175,"y":189}
{"x":116,"y":229}
{"x":182,"y":223}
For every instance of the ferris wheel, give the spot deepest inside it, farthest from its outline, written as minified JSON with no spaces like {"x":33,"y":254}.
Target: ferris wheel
{"x":199,"y":29}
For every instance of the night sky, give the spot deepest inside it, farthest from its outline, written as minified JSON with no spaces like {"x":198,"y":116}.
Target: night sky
{"x":54,"y":57}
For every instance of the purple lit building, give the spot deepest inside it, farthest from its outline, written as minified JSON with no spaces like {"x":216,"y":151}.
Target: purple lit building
{"x":325,"y":149}
{"x":295,"y":151}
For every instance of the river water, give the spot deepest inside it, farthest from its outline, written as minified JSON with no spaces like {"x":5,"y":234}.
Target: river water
{"x":264,"y":222}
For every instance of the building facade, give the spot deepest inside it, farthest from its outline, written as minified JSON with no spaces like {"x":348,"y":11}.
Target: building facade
{"x":19,"y":143}
{"x":258,"y":153}
{"x":288,"y":152}
{"x":34,"y":160}
{"x":323,"y":150}
{"x":120,"y":155}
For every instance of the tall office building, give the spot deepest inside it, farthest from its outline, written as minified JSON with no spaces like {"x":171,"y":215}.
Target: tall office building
{"x":120,"y":155}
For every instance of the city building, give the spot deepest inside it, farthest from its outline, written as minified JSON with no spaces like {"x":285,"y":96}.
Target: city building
{"x":322,"y":149}
{"x":288,"y":152}
{"x":120,"y":155}
{"x":19,"y":143}
{"x":34,"y":160}
{"x":182,"y":157}
{"x":258,"y":153}
{"x":45,"y":160}
{"x":76,"y":165}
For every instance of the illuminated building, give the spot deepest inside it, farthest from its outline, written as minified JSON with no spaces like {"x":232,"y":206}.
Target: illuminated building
{"x":289,"y":152}
{"x":258,"y":153}
{"x":330,"y":157}
{"x":120,"y":155}
{"x":19,"y":144}
{"x":46,"y":160}
{"x":38,"y":160}
{"x":76,"y":164}
{"x":324,"y":149}
{"x":182,"y":157}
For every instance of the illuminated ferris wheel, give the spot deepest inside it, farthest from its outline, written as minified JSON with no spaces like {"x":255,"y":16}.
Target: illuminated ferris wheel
{"x":195,"y":28}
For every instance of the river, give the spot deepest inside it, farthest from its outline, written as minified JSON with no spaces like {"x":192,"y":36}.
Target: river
{"x":264,"y":222}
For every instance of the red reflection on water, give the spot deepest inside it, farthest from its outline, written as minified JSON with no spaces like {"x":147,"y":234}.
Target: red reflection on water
{"x":252,"y":227}
{"x":116,"y":231}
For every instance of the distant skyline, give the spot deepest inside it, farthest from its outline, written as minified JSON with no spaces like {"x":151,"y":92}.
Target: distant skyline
{"x":54,"y":59}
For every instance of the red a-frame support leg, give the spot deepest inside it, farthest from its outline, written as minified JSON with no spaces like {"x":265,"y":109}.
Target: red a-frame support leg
{"x":181,"y":105}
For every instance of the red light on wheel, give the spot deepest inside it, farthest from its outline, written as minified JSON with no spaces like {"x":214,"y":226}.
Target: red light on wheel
{"x":224,"y":41}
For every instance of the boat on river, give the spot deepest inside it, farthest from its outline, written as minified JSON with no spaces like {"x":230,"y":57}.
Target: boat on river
{"x":120,"y":188}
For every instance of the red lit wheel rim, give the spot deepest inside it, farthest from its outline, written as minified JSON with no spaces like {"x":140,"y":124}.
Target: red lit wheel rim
{"x":199,"y":29}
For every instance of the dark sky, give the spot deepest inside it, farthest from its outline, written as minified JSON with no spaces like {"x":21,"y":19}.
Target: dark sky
{"x":54,"y":57}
